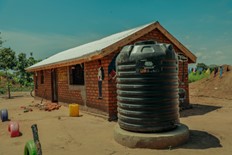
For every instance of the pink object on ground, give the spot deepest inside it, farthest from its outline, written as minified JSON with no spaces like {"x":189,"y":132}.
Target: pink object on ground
{"x":13,"y":128}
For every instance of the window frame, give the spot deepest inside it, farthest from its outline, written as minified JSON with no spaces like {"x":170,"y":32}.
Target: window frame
{"x":76,"y":75}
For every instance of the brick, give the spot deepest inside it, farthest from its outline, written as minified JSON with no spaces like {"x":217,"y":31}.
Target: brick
{"x":109,"y":101}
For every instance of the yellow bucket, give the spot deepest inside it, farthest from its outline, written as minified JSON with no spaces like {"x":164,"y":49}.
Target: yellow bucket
{"x":73,"y":110}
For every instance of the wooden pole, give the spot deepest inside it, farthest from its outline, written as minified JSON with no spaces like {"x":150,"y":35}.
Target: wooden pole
{"x":36,"y":139}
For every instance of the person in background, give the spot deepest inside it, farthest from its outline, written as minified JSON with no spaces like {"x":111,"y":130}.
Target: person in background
{"x":112,"y":69}
{"x":215,"y":71}
{"x":189,"y":70}
{"x":112,"y":74}
{"x":221,"y":71}
{"x":194,"y":70}
{"x":208,"y":73}
{"x":227,"y":69}
{"x":200,"y":71}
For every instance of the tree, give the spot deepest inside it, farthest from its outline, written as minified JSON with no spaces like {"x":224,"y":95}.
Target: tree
{"x":25,"y":78}
{"x":202,"y":66}
{"x":1,"y":42}
{"x":20,"y":67}
{"x":7,"y":62}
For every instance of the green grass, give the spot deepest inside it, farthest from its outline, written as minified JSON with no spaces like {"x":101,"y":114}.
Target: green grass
{"x":3,"y":90}
{"x":197,"y":76}
{"x":14,"y":84}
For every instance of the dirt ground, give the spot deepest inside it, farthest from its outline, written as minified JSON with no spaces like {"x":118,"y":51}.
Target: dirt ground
{"x":210,"y":124}
{"x":214,"y":86}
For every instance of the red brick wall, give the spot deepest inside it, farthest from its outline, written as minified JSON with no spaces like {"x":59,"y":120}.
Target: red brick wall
{"x":91,"y":72}
{"x":109,"y":102}
{"x":65,"y":93}
{"x":157,"y":36}
{"x":112,"y":101}
{"x":44,"y":90}
{"x":183,"y":77}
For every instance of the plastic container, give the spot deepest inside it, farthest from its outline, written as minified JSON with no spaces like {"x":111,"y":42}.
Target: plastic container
{"x":147,"y":87}
{"x":13,"y":128}
{"x":73,"y":110}
{"x":4,"y":115}
{"x":30,"y":148}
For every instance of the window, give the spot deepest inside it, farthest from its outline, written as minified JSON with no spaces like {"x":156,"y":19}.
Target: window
{"x":42,"y":77}
{"x":76,"y":75}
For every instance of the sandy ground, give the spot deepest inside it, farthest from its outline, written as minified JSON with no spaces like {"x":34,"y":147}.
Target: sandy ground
{"x":210,"y":123}
{"x":215,"y":87}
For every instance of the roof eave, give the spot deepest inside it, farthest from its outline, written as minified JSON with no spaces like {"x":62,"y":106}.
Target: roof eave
{"x":68,"y":62}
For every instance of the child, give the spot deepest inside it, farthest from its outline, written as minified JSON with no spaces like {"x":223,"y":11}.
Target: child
{"x":215,"y":71}
{"x":221,"y":71}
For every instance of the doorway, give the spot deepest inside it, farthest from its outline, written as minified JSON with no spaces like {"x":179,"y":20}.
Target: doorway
{"x":54,"y":85}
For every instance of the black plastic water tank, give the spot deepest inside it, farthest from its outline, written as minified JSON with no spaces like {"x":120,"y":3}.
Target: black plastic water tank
{"x":147,"y":87}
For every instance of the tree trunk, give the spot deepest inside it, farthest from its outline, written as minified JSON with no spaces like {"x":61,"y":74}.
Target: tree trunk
{"x":8,"y":85}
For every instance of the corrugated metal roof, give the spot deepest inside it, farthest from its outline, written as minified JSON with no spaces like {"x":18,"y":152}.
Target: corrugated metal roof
{"x":86,"y":49}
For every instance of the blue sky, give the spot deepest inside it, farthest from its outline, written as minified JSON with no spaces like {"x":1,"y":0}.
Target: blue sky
{"x":46,"y":27}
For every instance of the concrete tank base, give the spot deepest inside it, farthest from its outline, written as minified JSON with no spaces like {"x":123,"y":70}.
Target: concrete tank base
{"x":163,"y":140}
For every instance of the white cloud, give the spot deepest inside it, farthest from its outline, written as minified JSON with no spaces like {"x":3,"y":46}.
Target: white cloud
{"x":218,"y":52}
{"x":188,"y":46}
{"x":187,"y":37}
{"x":198,"y":54}
{"x":203,"y":48}
{"x":205,"y":57}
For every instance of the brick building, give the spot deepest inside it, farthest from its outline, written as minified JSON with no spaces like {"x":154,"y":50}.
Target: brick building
{"x":71,"y":76}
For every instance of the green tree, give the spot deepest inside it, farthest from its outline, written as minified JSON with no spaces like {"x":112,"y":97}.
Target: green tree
{"x":7,"y":62}
{"x":21,"y":65}
{"x":1,"y":42}
{"x":202,"y":65}
{"x":25,"y":78}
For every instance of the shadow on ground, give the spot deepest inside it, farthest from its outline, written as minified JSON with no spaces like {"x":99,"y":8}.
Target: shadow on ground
{"x":201,"y":140}
{"x":198,"y":109}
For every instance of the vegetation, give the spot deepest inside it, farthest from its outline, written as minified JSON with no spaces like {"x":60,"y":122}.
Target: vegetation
{"x":202,"y":66}
{"x":13,"y":75}
{"x":7,"y":62}
{"x":197,"y":76}
{"x":202,"y":71}
{"x":23,"y":77}
{"x":1,"y":42}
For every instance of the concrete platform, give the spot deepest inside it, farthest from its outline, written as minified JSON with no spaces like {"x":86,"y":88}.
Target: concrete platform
{"x":163,"y":140}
